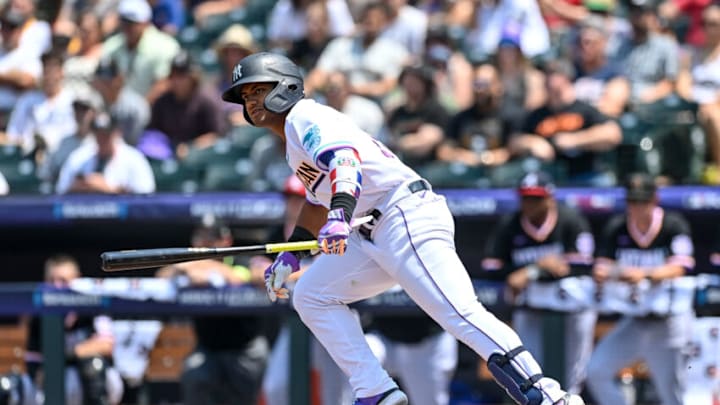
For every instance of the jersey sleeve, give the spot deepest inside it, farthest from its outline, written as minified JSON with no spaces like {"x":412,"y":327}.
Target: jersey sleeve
{"x":681,"y":244}
{"x":319,"y":139}
{"x":497,"y":263}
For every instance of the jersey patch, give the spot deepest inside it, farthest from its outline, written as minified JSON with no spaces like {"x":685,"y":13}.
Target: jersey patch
{"x":310,"y":176}
{"x":311,"y":139}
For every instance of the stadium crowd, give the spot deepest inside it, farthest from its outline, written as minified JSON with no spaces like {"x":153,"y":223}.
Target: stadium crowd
{"x":123,"y":96}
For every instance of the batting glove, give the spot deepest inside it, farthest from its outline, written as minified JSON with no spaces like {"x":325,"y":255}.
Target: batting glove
{"x":334,"y":234}
{"x":275,"y":276}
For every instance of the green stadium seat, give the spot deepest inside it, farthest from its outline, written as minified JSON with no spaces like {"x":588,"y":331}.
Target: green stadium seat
{"x":11,"y":154}
{"x":246,"y":135}
{"x":454,"y":175}
{"x":227,"y":175}
{"x":223,"y":151}
{"x":21,"y":176}
{"x":173,"y":176}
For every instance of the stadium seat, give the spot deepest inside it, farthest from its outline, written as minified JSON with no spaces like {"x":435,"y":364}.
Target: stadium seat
{"x":173,"y":176}
{"x":454,"y":175}
{"x":21,"y":176}
{"x":246,"y":135}
{"x":227,"y":175}
{"x":13,"y":340}
{"x":671,"y":143}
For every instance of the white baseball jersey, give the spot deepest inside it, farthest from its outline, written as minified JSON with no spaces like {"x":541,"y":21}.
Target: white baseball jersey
{"x":312,"y":129}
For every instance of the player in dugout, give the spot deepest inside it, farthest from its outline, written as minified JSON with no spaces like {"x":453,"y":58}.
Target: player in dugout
{"x":347,"y":174}
{"x":544,"y":252}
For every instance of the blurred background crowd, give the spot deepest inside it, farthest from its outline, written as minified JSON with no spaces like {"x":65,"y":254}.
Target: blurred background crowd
{"x":119,"y":96}
{"x":123,"y":96}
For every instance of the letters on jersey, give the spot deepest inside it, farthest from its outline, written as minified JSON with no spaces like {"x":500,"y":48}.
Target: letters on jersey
{"x":310,"y":176}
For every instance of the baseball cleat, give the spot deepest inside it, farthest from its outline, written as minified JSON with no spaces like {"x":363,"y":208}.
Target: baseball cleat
{"x":569,"y":399}
{"x":392,"y":397}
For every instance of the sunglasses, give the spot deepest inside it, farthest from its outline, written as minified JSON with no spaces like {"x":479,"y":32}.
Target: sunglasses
{"x":710,"y":23}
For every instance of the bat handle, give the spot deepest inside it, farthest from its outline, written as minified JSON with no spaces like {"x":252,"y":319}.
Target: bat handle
{"x":291,"y":246}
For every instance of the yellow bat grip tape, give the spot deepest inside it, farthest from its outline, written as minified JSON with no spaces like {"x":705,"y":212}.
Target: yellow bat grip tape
{"x":290,"y":246}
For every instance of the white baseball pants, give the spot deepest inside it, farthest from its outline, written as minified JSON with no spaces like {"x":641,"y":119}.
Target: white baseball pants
{"x":413,"y":245}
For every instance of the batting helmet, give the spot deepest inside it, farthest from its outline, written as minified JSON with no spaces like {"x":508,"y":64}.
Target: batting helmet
{"x":266,"y":67}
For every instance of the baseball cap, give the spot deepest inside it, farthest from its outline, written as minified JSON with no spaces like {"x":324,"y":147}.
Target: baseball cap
{"x":182,"y":62}
{"x":87,"y":97}
{"x":137,"y":11}
{"x":293,"y":186}
{"x":12,"y":18}
{"x":536,"y":184}
{"x":107,"y":68}
{"x":640,"y":187}
{"x":104,"y":122}
{"x":236,"y":36}
{"x":599,"y":5}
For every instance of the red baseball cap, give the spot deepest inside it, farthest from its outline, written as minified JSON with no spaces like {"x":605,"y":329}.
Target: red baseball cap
{"x":536,"y":184}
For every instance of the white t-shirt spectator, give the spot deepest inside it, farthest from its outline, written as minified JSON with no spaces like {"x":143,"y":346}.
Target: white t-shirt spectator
{"x":53,"y":119}
{"x":17,"y":60}
{"x":492,"y":20}
{"x":36,"y":37}
{"x":286,"y":23}
{"x":409,"y":29}
{"x":128,"y":168}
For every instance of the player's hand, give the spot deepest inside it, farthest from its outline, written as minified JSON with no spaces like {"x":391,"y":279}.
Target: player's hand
{"x":333,"y":236}
{"x":554,"y":265}
{"x":633,"y":275}
{"x":275,"y":276}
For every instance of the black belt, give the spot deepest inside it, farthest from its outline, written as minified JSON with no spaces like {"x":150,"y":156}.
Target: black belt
{"x":366,"y":229}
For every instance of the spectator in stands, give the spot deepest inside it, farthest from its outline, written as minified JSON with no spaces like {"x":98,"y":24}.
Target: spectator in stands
{"x":478,"y":136}
{"x":168,"y":15}
{"x":453,"y":72}
{"x":599,"y":81}
{"x":80,"y":68}
{"x":651,"y":60}
{"x":701,"y":83}
{"x":205,"y":10}
{"x":306,"y":51}
{"x":187,"y":113}
{"x":568,"y":131}
{"x":36,"y":34}
{"x":288,"y":21}
{"x":490,"y":20}
{"x":42,"y":118}
{"x":687,"y":16}
{"x":235,"y":43}
{"x":366,"y":113}
{"x":141,"y":51}
{"x":617,"y":26}
{"x":523,"y":84}
{"x":19,"y":70}
{"x":90,"y":378}
{"x":407,"y":26}
{"x":417,"y":126}
{"x":372,"y":63}
{"x":128,"y":106}
{"x":85,"y":106}
{"x":108,"y":165}
{"x":229,"y":359}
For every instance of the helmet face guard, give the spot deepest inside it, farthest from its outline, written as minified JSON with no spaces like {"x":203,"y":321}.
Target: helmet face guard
{"x":268,"y":67}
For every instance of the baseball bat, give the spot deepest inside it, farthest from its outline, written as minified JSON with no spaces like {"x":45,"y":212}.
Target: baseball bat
{"x":146,"y":258}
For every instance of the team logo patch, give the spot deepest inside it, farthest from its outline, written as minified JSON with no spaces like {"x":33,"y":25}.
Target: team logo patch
{"x":311,"y":140}
{"x":237,"y":73}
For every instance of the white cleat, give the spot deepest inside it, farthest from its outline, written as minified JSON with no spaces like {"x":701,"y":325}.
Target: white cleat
{"x":570,"y":399}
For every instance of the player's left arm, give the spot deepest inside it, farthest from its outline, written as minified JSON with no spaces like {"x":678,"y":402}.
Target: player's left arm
{"x":343,"y":164}
{"x":680,"y":259}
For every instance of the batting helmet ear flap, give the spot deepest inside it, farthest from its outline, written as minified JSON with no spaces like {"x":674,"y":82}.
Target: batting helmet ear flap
{"x":285,"y":94}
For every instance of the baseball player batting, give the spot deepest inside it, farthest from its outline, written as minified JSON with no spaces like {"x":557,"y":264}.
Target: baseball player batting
{"x":411,"y":241}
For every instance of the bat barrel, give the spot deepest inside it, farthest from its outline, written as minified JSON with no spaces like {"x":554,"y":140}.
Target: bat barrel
{"x":147,"y":258}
